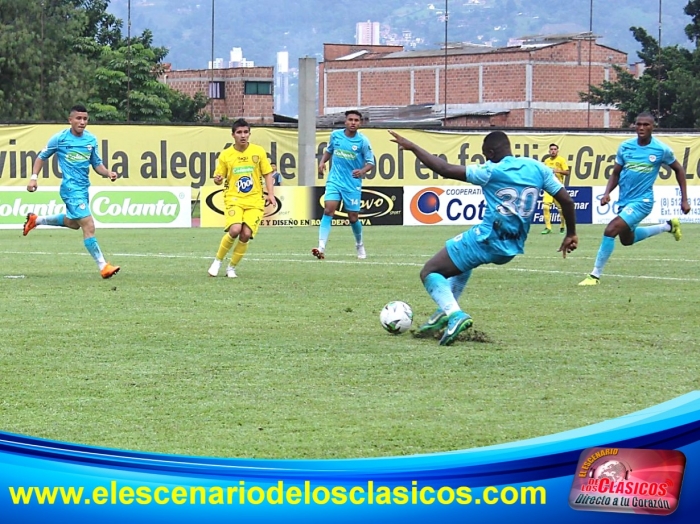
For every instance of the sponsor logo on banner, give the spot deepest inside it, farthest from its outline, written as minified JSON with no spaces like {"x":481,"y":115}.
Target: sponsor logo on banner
{"x":135,"y":207}
{"x":120,"y":207}
{"x":619,"y":480}
{"x":215,"y":202}
{"x":425,"y":205}
{"x":378,"y":206}
{"x":583,"y":200}
{"x":667,"y":205}
{"x":15,"y":205}
{"x":291,"y":207}
{"x":444,"y":205}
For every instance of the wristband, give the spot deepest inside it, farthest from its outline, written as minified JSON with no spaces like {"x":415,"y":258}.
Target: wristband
{"x":34,"y":177}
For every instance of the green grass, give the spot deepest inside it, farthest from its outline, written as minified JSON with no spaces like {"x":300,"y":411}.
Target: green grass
{"x":289,"y":360}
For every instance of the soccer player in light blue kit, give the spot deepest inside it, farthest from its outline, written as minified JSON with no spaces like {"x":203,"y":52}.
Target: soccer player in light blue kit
{"x":511,"y":187}
{"x":77,"y":151}
{"x":352,"y":159}
{"x":636,"y":167}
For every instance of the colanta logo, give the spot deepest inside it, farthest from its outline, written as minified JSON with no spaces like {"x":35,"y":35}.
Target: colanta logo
{"x":127,"y":207}
{"x":372,"y":204}
{"x":425,"y":205}
{"x":15,"y":205}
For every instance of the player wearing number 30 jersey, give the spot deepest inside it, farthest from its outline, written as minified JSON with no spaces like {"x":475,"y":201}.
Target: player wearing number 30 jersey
{"x":510,"y":186}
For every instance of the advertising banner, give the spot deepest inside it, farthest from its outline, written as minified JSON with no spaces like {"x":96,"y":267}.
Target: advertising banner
{"x":582,"y":197}
{"x":111,"y":207}
{"x":379,"y":206}
{"x":303,"y":206}
{"x":433,"y":205}
{"x":154,"y":155}
{"x":667,"y":205}
{"x":293,"y":207}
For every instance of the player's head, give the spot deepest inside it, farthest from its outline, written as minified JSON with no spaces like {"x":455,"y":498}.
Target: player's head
{"x":273,"y":166}
{"x":553,"y":150}
{"x":78,"y":119}
{"x":353,"y":119}
{"x":644,"y":124}
{"x":241,"y":133}
{"x":496,"y":146}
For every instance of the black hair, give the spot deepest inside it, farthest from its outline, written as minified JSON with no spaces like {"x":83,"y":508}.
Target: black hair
{"x":239,"y":123}
{"x":554,"y":145}
{"x":78,"y":108}
{"x":496,"y":140}
{"x":646,"y":114}
{"x":353,"y":112}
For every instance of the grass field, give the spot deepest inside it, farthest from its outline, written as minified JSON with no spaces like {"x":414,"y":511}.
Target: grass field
{"x":289,"y":360}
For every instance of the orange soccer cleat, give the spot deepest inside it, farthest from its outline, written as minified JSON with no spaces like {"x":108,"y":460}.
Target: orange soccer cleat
{"x":29,"y":224}
{"x":109,"y":270}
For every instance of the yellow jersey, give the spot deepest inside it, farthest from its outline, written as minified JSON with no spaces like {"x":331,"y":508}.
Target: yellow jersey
{"x":557,"y":162}
{"x":243,"y":174}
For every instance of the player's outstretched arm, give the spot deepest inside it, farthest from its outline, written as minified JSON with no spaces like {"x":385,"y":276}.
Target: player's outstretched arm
{"x":568,"y":209}
{"x":437,"y":164}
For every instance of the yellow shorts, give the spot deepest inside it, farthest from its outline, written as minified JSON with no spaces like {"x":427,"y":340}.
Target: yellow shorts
{"x":241,"y":215}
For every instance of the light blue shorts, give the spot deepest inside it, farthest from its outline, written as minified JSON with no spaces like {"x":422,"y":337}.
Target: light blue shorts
{"x":351,"y":197}
{"x":466,"y":253}
{"x":634,"y":212}
{"x":77,"y":204}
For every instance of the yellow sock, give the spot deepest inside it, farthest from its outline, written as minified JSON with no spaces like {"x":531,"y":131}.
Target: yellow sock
{"x":563,"y":222}
{"x":547,"y":217}
{"x":224,"y":247}
{"x":238,"y":252}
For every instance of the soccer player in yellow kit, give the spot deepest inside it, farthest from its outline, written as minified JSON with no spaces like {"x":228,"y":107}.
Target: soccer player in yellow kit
{"x":242,"y":169}
{"x":557,"y":164}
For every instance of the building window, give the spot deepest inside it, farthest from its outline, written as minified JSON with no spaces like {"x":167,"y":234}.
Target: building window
{"x":258,"y":88}
{"x":217,"y":90}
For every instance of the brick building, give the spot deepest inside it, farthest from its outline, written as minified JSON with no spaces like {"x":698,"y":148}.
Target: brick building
{"x":237,"y":92}
{"x":533,"y":84}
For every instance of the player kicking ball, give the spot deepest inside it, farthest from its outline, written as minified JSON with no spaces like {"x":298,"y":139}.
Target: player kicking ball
{"x":511,"y":187}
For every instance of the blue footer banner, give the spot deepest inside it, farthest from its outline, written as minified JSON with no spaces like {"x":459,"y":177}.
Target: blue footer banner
{"x":637,"y":467}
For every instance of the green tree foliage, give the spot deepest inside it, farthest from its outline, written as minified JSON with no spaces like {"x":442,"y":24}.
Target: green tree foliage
{"x":41,"y":70}
{"x":54,"y":53}
{"x":669,"y":86}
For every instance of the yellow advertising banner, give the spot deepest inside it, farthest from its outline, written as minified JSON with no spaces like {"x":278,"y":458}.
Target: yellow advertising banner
{"x":293,"y":207}
{"x":155,"y":155}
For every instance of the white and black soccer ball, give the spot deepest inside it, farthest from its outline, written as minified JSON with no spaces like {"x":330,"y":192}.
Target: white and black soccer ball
{"x":396,"y":317}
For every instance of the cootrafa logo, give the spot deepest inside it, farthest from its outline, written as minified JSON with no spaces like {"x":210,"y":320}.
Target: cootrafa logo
{"x":127,"y":207}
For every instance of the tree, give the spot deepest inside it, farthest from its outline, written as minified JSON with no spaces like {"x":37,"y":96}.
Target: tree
{"x":41,"y":74}
{"x":668,"y":86}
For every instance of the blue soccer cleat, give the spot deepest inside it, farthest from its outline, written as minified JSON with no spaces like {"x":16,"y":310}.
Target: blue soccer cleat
{"x":436,"y":322}
{"x":457,"y":322}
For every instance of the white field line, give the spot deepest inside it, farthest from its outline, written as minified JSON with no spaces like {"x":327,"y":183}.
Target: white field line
{"x":277,"y":258}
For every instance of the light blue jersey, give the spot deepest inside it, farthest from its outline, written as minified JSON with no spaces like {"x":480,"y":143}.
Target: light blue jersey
{"x":348,"y":154}
{"x":511,"y":189}
{"x":75,"y":156}
{"x":640,"y":167}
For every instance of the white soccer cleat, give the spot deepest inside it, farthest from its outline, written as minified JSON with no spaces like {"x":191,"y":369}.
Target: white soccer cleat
{"x":214,"y":268}
{"x":231,"y":272}
{"x":361,"y":253}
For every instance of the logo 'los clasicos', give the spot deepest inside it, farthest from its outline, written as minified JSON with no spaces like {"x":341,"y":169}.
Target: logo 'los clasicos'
{"x":642,"y":481}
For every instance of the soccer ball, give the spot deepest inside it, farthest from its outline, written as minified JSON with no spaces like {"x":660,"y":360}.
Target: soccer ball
{"x":396,"y":317}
